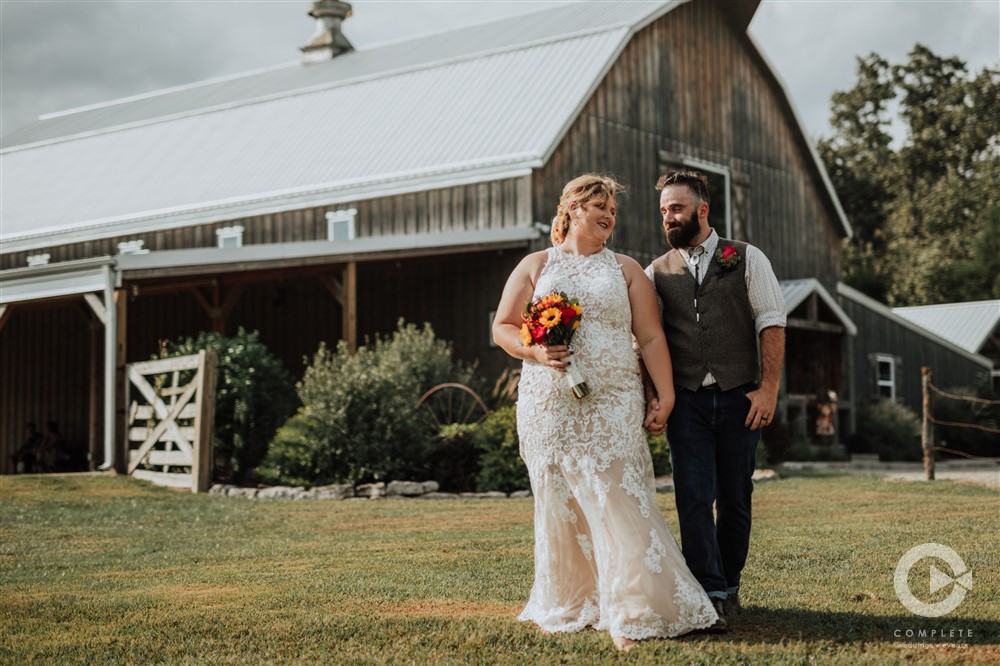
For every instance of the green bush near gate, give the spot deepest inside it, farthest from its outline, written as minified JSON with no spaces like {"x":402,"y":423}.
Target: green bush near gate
{"x":359,"y":420}
{"x":254,"y":395}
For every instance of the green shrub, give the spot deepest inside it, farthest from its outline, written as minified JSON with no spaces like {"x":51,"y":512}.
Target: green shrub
{"x":801,"y":449}
{"x":254,"y":395}
{"x":500,"y":464}
{"x":890,"y":429}
{"x":363,"y":409}
{"x":659,"y":449}
{"x":452,"y":458}
{"x":301,"y":463}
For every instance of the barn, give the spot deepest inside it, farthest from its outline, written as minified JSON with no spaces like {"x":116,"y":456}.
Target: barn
{"x":325,"y":199}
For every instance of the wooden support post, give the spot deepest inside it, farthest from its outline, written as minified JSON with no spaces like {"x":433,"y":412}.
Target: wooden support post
{"x":220,"y":307}
{"x":927,"y":435}
{"x":118,"y":354}
{"x":96,"y":372}
{"x":350,"y":311}
{"x":201,"y":471}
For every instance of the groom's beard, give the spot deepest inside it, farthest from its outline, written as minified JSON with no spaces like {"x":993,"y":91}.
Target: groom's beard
{"x":681,"y":237}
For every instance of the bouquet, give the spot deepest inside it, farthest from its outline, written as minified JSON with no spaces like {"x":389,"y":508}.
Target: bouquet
{"x":553,"y":320}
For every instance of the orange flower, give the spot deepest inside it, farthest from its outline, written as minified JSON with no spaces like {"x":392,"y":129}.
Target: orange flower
{"x":525,"y":335}
{"x":550,"y":300}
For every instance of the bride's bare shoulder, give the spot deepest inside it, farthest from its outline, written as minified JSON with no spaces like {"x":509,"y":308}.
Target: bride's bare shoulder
{"x":533,"y":263}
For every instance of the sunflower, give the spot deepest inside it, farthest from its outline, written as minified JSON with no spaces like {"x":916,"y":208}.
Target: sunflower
{"x":525,"y":335}
{"x":551,"y":299}
{"x":550,"y":317}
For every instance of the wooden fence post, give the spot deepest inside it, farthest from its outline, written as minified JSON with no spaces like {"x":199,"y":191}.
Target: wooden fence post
{"x":927,"y":433}
{"x":201,"y":471}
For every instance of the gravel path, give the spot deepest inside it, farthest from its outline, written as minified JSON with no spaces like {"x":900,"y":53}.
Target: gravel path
{"x":982,"y":473}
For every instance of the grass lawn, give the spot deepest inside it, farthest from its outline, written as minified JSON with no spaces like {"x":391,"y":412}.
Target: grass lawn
{"x":112,"y":570}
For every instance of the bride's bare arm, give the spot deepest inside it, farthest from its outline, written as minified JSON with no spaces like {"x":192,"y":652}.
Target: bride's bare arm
{"x":648,"y":331}
{"x":507,"y":321}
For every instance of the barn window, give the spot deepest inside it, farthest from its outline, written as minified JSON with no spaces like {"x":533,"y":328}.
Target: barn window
{"x":340,"y":224}
{"x":230,"y":236}
{"x":720,"y":214}
{"x":885,"y":376}
{"x":132,"y":247}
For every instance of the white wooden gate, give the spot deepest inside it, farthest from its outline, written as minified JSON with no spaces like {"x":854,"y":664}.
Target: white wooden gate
{"x":170,"y":425}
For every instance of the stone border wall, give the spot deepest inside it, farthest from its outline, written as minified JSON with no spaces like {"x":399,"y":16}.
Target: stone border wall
{"x":365,"y":491}
{"x":403,"y":489}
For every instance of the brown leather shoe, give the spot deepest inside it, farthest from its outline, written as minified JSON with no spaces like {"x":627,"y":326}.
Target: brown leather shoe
{"x":732,"y":606}
{"x":720,"y":626}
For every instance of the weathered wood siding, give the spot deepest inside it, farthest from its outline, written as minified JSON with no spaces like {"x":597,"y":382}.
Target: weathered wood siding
{"x":690,"y":84}
{"x":45,"y":375}
{"x":878,"y":334}
{"x":45,"y":348}
{"x":495,"y":205}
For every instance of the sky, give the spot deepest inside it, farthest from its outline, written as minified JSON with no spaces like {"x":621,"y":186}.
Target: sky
{"x":60,"y":54}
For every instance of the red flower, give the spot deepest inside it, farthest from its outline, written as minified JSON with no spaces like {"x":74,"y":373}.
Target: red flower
{"x":727,"y":257}
{"x":568,"y":315}
{"x":538,"y":334}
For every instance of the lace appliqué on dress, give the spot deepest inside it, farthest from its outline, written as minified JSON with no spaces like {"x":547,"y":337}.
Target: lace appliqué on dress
{"x":633,"y":485}
{"x":655,"y":553}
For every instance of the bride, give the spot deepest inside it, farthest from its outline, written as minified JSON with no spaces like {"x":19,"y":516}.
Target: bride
{"x":604,"y":556}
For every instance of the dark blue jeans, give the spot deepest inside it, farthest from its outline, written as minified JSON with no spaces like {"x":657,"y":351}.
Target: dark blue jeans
{"x":713,"y":456}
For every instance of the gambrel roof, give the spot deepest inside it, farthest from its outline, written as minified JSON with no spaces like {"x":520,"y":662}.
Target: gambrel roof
{"x":477,"y":104}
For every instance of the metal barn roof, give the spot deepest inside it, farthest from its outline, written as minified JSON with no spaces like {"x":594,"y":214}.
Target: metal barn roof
{"x":885,"y":311}
{"x":968,"y":325}
{"x":482,"y":103}
{"x":797,"y":291}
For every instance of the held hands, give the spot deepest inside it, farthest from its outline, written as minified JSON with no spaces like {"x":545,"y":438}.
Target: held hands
{"x":656,"y":416}
{"x":553,"y":356}
{"x":763,"y":402}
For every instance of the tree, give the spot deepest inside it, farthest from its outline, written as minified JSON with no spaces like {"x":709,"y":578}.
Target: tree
{"x":920,"y":207}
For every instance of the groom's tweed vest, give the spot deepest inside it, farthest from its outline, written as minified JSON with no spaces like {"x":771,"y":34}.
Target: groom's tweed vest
{"x":724,"y":340}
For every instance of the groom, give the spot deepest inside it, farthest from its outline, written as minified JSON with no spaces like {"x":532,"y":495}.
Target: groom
{"x":719,"y":298}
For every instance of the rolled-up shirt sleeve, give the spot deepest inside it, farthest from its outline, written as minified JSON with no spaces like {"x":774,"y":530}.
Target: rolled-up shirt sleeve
{"x":767,"y":305}
{"x":659,"y":301}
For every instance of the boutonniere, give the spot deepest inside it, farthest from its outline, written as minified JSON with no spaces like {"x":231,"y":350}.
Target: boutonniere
{"x":727,"y":258}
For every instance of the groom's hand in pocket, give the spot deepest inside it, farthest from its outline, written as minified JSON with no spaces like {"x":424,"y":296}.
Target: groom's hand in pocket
{"x":763,"y":402}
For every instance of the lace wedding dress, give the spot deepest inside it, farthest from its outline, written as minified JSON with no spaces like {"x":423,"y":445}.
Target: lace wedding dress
{"x":604,"y":556}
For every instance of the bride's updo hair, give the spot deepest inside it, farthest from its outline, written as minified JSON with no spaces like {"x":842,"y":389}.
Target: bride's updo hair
{"x":582,"y":189}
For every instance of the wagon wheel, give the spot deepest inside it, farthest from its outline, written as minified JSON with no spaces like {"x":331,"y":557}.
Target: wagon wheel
{"x":451,"y":403}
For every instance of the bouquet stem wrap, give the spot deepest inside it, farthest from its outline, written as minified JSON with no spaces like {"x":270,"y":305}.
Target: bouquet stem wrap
{"x":576,"y":382}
